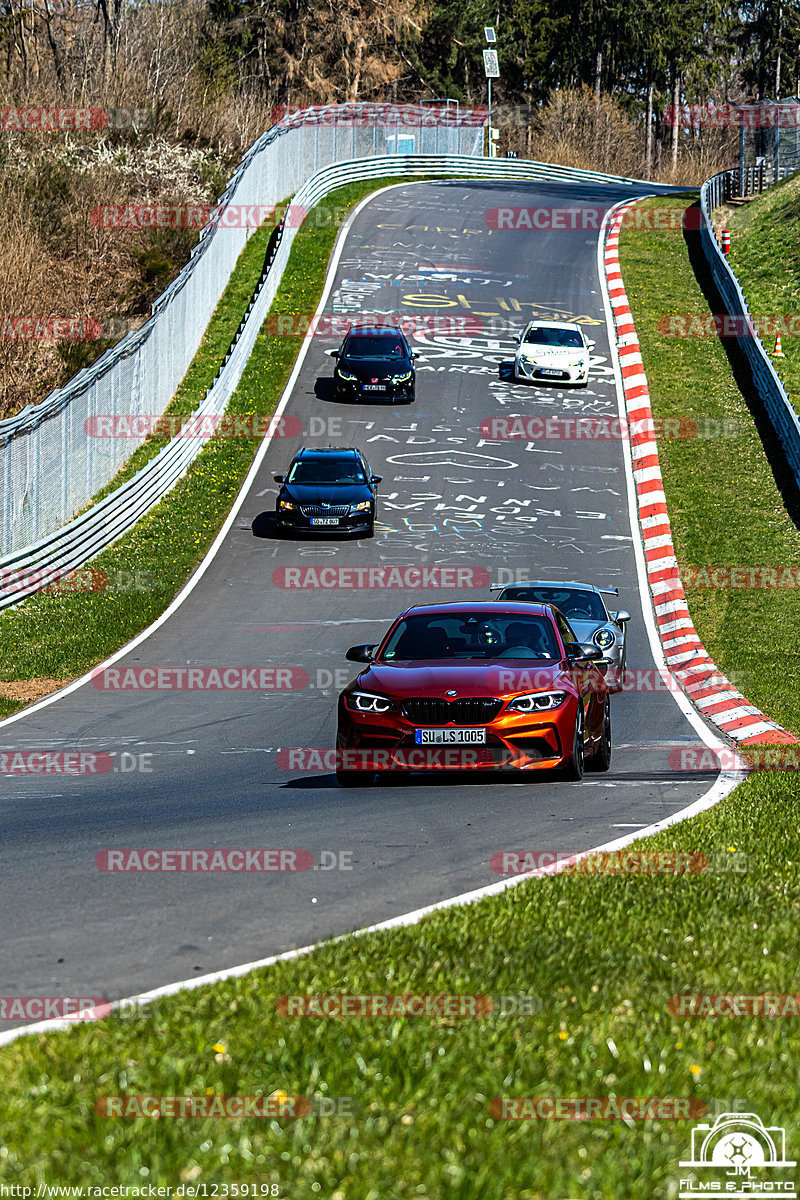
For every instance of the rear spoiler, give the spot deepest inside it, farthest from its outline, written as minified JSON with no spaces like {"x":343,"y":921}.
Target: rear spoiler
{"x":500,"y":587}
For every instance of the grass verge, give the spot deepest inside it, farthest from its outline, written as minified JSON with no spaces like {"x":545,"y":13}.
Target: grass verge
{"x":417,"y":1090}
{"x":58,"y":636}
{"x":724,"y":504}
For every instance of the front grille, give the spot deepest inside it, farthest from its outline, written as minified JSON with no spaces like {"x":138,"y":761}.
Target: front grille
{"x":426,"y":710}
{"x":316,"y":510}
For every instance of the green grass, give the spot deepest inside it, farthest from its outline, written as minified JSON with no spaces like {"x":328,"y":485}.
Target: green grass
{"x":765,"y":255}
{"x":60,"y":635}
{"x":420,"y":1088}
{"x":724,"y":505}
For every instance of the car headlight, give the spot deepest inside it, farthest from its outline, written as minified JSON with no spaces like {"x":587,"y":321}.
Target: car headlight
{"x":349,"y":378}
{"x":368,"y":702}
{"x":604,"y":638}
{"x":402,"y":378}
{"x":362,"y":507}
{"x":528,"y":355}
{"x":287,"y":504}
{"x":537,"y":702}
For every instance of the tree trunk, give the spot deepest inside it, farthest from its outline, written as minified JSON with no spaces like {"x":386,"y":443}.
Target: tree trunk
{"x":778,"y":62}
{"x":648,"y":146}
{"x":676,"y":99}
{"x":598,"y":69}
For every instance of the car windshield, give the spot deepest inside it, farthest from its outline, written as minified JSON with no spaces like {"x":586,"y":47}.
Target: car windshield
{"x":542,"y":336}
{"x":339,"y":470}
{"x":471,"y":635}
{"x":574,"y":603}
{"x":363,"y":346}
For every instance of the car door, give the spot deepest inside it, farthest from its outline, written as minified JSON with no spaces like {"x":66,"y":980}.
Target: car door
{"x":589,"y":679}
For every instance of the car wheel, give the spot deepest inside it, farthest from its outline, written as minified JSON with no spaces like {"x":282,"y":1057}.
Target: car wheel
{"x":350,"y":779}
{"x":370,"y":532}
{"x":601,"y":759}
{"x":573,"y":769}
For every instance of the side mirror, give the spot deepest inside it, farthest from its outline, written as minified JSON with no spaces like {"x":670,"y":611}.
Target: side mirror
{"x":278,"y":478}
{"x":360,"y":654}
{"x":413,"y":354}
{"x":621,"y":617}
{"x":581,"y":650}
{"x":333,"y":353}
{"x":376,"y":479}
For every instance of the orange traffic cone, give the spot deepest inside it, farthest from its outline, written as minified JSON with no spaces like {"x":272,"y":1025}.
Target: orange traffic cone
{"x":778,"y":351}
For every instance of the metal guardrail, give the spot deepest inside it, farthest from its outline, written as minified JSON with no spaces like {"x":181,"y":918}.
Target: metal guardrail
{"x":766,"y":380}
{"x":27,"y":570}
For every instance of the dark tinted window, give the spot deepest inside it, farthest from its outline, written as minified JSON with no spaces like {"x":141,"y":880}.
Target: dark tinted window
{"x":471,"y":635}
{"x":575,"y":604}
{"x":335,"y":470}
{"x":365,"y":346}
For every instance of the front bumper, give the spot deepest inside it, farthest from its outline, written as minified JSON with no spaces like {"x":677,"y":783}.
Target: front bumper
{"x":547,"y":374}
{"x":364,"y":389}
{"x":296,"y":522}
{"x":374,"y":742}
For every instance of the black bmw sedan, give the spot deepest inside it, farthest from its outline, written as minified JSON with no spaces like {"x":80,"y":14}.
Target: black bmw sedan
{"x":375,"y":364}
{"x":327,"y":491}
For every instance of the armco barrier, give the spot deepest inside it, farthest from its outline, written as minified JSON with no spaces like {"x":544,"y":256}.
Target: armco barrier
{"x":75,"y":543}
{"x":766,"y":379}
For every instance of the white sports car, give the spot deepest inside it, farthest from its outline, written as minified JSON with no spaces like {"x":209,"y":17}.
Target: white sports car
{"x":553,"y":352}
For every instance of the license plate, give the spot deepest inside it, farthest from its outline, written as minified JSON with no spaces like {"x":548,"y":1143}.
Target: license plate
{"x":324,"y":520}
{"x":551,"y":371}
{"x":450,"y":737}
{"x":374,"y":387}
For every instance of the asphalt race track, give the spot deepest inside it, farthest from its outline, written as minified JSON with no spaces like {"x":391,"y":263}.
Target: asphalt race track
{"x":517,"y":509}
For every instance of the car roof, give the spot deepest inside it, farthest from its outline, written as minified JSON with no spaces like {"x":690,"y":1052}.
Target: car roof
{"x":554,"y":325}
{"x":553,"y":583}
{"x":490,"y":607}
{"x":387,"y":331}
{"x":328,"y":451}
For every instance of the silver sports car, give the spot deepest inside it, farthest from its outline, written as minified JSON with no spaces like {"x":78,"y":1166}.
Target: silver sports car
{"x":585,"y":609}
